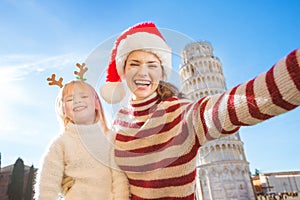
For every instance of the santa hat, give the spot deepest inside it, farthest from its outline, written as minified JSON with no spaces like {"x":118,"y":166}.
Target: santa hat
{"x":143,"y":36}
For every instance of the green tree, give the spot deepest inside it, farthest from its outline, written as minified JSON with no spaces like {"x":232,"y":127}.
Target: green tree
{"x":29,"y":186}
{"x":256,"y":172}
{"x":15,"y":188}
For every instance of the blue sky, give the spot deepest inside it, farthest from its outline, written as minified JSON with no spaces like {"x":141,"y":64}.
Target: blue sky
{"x":39,"y":38}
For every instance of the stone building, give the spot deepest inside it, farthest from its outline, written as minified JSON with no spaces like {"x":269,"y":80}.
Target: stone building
{"x":222,"y":169}
{"x":277,"y":182}
{"x":5,"y":179}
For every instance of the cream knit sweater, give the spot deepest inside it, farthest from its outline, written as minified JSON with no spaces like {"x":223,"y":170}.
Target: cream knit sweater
{"x":84,"y":153}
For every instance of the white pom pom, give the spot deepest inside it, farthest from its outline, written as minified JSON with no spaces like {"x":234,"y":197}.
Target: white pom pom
{"x":113,"y":92}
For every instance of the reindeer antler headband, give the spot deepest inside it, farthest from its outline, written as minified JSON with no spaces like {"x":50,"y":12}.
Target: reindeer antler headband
{"x":82,"y":70}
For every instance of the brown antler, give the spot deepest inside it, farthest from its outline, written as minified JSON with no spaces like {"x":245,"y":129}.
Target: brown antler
{"x":82,"y":68}
{"x":52,"y":81}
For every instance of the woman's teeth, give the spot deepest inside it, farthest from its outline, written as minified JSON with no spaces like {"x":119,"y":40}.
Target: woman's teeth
{"x":138,"y":82}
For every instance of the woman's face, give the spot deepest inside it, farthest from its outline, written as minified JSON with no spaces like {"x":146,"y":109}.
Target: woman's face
{"x":143,"y":71}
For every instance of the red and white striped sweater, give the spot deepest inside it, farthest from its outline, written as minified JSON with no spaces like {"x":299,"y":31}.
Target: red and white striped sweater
{"x":157,"y":140}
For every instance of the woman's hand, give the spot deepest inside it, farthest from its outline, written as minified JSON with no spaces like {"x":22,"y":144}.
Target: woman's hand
{"x":66,"y":184}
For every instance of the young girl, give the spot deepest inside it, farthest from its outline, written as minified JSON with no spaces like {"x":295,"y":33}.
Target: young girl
{"x":82,"y":151}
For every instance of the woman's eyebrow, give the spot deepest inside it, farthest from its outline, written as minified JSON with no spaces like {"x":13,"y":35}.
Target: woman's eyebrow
{"x":132,"y":60}
{"x":153,"y":62}
{"x":138,"y":61}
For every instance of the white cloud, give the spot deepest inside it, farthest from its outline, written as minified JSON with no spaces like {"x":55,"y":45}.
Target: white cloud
{"x":16,"y":67}
{"x":20,"y":88}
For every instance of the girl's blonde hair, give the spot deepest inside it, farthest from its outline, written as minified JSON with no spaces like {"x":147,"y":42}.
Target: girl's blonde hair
{"x":70,"y":86}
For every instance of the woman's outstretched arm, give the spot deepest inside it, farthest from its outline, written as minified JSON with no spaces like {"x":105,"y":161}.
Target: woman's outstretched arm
{"x":267,"y":95}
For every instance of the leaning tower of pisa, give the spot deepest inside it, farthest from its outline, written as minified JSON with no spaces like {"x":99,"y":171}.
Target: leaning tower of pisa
{"x":222,"y":169}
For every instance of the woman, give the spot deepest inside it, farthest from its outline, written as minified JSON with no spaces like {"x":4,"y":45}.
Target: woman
{"x":158,"y":135}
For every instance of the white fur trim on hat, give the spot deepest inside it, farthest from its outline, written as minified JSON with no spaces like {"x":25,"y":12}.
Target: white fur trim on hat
{"x":148,"y":42}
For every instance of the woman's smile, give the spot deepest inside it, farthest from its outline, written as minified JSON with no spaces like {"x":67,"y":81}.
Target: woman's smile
{"x":142,"y":84}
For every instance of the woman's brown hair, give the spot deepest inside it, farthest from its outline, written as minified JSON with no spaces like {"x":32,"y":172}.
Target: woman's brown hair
{"x":166,"y":90}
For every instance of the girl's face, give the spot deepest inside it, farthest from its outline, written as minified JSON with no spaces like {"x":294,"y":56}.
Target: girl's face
{"x":143,"y":71}
{"x":79,"y":104}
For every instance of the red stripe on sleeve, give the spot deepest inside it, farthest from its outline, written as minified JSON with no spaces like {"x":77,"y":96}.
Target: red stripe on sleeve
{"x":293,"y":67}
{"x":274,"y":92}
{"x":216,"y":118}
{"x":201,"y":113}
{"x":231,"y":109}
{"x":252,"y":105}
